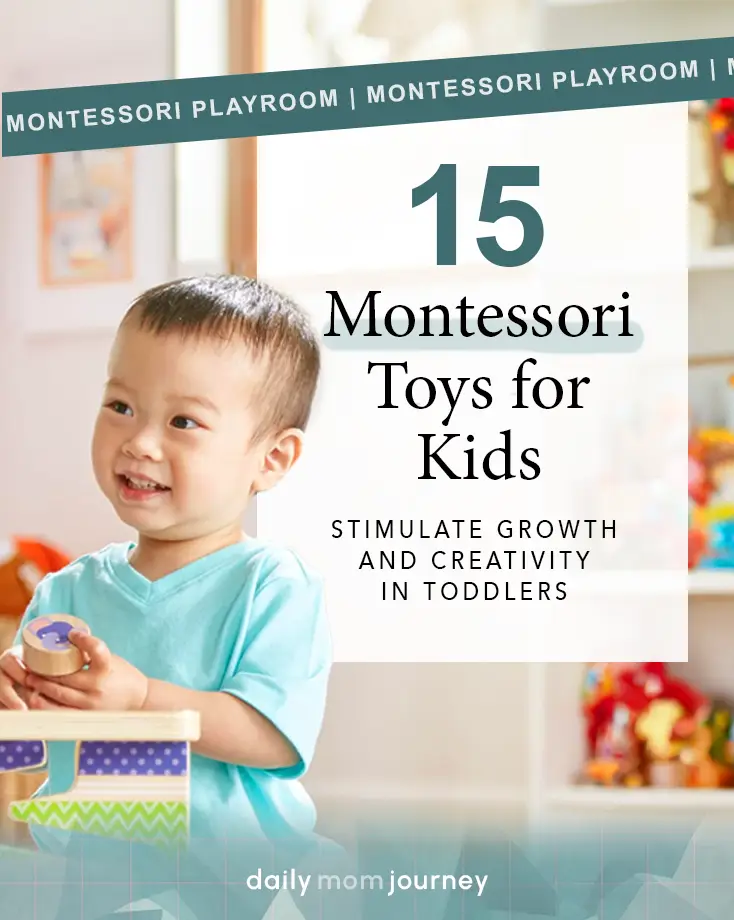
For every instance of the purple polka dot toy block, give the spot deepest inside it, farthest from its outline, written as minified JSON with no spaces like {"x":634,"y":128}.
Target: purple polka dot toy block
{"x":132,"y":771}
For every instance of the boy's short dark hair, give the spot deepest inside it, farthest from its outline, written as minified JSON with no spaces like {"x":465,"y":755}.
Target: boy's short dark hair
{"x":273,"y":327}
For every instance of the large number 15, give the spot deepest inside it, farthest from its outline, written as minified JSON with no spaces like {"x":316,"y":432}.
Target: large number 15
{"x":442,"y":186}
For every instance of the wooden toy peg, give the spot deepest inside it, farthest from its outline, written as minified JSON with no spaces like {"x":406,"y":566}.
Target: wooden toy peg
{"x":46,"y":647}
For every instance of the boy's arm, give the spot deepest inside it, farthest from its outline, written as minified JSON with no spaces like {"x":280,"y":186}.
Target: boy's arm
{"x":231,"y":731}
{"x":266,"y":715}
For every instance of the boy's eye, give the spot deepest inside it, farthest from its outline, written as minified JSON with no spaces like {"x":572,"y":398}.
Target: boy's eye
{"x":180,"y":421}
{"x":120,"y":407}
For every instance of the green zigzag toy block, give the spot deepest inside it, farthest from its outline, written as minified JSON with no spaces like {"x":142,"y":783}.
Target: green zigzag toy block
{"x":124,"y":789}
{"x":146,"y":822}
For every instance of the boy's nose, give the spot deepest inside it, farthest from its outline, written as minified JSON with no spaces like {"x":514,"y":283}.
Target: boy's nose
{"x":143,"y":446}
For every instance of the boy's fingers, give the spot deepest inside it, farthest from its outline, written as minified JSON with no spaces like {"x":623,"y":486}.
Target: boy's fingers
{"x":36,"y":701}
{"x":81,"y":680}
{"x":9,"y":698}
{"x":57,"y":693}
{"x":95,"y":650}
{"x":13,"y":669}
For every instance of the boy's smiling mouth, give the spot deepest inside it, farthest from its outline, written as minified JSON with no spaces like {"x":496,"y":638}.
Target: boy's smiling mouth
{"x":139,"y":488}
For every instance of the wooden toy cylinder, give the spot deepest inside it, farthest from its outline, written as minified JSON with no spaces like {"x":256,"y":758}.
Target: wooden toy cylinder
{"x":46,"y":647}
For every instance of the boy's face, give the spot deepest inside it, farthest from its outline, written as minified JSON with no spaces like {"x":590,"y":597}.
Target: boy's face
{"x":172,"y":447}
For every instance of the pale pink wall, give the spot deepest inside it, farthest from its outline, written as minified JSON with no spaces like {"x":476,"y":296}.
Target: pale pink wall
{"x":50,"y":384}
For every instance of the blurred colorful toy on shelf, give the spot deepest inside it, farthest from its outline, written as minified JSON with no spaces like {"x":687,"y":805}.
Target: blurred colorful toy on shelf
{"x":708,"y":757}
{"x":612,"y":751}
{"x":716,"y":118}
{"x":699,"y":491}
{"x":656,"y":730}
{"x":711,"y":499}
{"x":644,"y":726}
{"x":24,"y":561}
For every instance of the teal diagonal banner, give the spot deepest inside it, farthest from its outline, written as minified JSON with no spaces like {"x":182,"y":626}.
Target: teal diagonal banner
{"x":287,"y":102}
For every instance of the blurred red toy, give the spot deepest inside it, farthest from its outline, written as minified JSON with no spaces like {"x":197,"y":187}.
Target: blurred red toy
{"x":650,"y":681}
{"x":697,"y":544}
{"x":700,"y":486}
{"x":700,"y":490}
{"x":615,"y":696}
{"x":24,"y":561}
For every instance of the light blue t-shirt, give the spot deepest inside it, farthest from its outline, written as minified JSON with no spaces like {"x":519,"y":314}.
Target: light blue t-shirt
{"x":247,"y":620}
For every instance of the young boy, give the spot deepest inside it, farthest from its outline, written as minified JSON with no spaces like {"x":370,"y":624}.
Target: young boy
{"x":210,"y":387}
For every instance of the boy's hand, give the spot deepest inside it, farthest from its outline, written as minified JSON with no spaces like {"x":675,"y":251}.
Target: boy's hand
{"x":12,"y":677}
{"x":109,"y":682}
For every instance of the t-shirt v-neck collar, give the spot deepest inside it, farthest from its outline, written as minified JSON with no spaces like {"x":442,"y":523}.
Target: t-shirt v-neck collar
{"x":119,"y":567}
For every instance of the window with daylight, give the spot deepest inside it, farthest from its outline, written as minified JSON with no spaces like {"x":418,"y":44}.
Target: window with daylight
{"x":303,"y":178}
{"x":216,"y":181}
{"x":242,"y":204}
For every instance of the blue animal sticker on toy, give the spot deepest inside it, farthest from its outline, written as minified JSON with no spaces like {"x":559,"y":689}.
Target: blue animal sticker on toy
{"x":55,"y":635}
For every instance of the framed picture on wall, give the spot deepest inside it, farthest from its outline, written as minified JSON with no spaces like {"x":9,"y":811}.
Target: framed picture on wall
{"x":86,"y":217}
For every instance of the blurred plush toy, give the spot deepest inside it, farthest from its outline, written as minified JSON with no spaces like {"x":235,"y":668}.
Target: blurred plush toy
{"x":612,"y":750}
{"x":707,"y":756}
{"x":616,"y":758}
{"x":656,"y":729}
{"x":720,"y":723}
{"x":597,"y":701}
{"x":24,"y":561}
{"x":703,"y":770}
{"x":637,"y":714}
{"x":649,"y":681}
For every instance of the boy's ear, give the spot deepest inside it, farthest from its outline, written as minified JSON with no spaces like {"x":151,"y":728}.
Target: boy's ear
{"x":282,"y":453}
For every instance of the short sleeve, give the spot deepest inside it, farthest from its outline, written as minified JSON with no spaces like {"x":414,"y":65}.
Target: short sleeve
{"x":284,"y":667}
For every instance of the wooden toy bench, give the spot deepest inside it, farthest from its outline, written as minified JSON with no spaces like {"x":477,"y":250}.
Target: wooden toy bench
{"x":131,"y":771}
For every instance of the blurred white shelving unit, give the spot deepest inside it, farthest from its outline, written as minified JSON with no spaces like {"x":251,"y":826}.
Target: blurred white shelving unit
{"x":648,"y":799}
{"x":578,"y":3}
{"x":711,"y":583}
{"x":556,"y":731}
{"x":598,"y":3}
{"x":712,"y":260}
{"x":555,"y":726}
